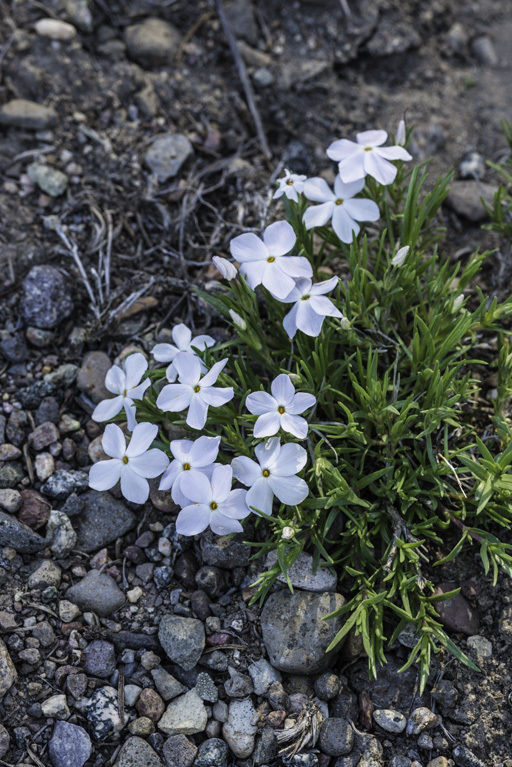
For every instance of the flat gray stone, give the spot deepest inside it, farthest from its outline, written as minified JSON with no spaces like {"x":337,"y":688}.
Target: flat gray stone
{"x":152,"y":42}
{"x":21,"y":113}
{"x":166,"y":684}
{"x":167,"y":154}
{"x":137,"y":753}
{"x":96,"y":592}
{"x":46,"y":299}
{"x":294,"y":633}
{"x":17,"y":535}
{"x":464,"y":199}
{"x":263,"y":675}
{"x":183,"y":639}
{"x":50,"y":180}
{"x":102,"y":520}
{"x":70,"y":745}
{"x":178,"y":751}
{"x":8,"y":673}
{"x":240,"y":729}
{"x":91,"y":376}
{"x":185,"y":715}
{"x":224,"y":550}
{"x":302,"y":576}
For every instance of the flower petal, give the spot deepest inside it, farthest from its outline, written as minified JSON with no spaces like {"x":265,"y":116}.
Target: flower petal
{"x":260,"y":402}
{"x":142,"y":437}
{"x":150,"y":464}
{"x":164,"y":352}
{"x":248,"y":247}
{"x":362,"y":210}
{"x":245,"y":470}
{"x":381,"y":170}
{"x":279,"y":238}
{"x":105,"y":474}
{"x":210,"y":378}
{"x":115,"y":380}
{"x":289,"y":490}
{"x":216,"y":396}
{"x":235,"y":505}
{"x":297,"y":267}
{"x":260,"y":496}
{"x":275,"y":280}
{"x":196,"y":487}
{"x":253,"y":273}
{"x":174,"y":397}
{"x":267,"y":425}
{"x":267,"y":452}
{"x":318,"y":215}
{"x":114,"y":441}
{"x":341,"y":149}
{"x":318,"y":190}
{"x":134,"y":487}
{"x":131,"y":411}
{"x":193,"y":519}
{"x":346,"y":191}
{"x":222,"y":479}
{"x":343,"y":225}
{"x":290,"y":321}
{"x":372,"y":137}
{"x":202,"y":342}
{"x":225,"y":267}
{"x":170,"y":475}
{"x":292,"y":459}
{"x":181,"y":335}
{"x":394,"y":153}
{"x":188,"y":367}
{"x":135,"y":366}
{"x":177,"y":494}
{"x":324,"y":306}
{"x":221,"y":525}
{"x":197,"y":412}
{"x":352,"y":168}
{"x":138,"y":391}
{"x":282,"y":389}
{"x":203,"y":451}
{"x":324,"y":287}
{"x":295,"y":425}
{"x":108,"y":408}
{"x":180,"y":448}
{"x":301,"y":402}
{"x":308,"y":320}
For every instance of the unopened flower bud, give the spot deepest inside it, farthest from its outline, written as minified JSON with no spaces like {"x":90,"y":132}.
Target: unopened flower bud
{"x":458,"y":302}
{"x":400,"y":256}
{"x":287,"y":532}
{"x":400,"y":133}
{"x":239,"y":321}
{"x":345,"y":323}
{"x":225,"y":267}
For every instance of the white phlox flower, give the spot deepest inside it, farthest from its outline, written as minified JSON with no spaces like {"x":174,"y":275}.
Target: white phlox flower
{"x":126,"y":384}
{"x":367,"y":156}
{"x":211,"y":502}
{"x":185,"y":344}
{"x":311,"y":307}
{"x":274,"y":474}
{"x":339,"y":206}
{"x":291,"y":186}
{"x":400,"y":256}
{"x":264,"y":262}
{"x":190,"y":457}
{"x":194,"y":392}
{"x":280,"y":410}
{"x":132,"y":465}
{"x":225,"y":267}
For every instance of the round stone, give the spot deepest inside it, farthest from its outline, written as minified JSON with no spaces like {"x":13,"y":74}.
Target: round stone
{"x":389,"y":720}
{"x":336,"y":737}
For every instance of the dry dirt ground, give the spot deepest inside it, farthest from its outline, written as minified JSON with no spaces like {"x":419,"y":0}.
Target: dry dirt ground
{"x":318,"y":74}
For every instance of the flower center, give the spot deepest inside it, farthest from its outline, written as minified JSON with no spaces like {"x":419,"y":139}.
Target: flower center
{"x":304,"y":298}
{"x":271,"y":259}
{"x":290,"y":182}
{"x":186,"y":467}
{"x":213,"y":505}
{"x":339,"y":202}
{"x":368,"y":148}
{"x":197,"y":388}
{"x":125,"y":393}
{"x":280,"y":409}
{"x":125,"y":459}
{"x":266,"y":473}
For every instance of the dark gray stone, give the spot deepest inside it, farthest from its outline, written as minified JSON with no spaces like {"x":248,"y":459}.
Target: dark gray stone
{"x":266,"y":747}
{"x":212,"y":753}
{"x":137,"y":753}
{"x":13,"y":348}
{"x":97,"y":592}
{"x":100,"y":659}
{"x":17,"y":535}
{"x":327,"y":686}
{"x":48,"y":411}
{"x":63,"y":483}
{"x":183,"y":639}
{"x":11,"y":474}
{"x":178,"y":751}
{"x":205,"y":688}
{"x":294,"y":632}
{"x":463,"y":757}
{"x":465,"y":199}
{"x":46,"y":299}
{"x":336,"y":737}
{"x":70,"y":745}
{"x":102,"y":520}
{"x":224,"y":551}
{"x":32,"y":396}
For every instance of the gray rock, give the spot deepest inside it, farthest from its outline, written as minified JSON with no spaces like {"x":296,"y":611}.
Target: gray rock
{"x":100,"y":659}
{"x":166,"y":684}
{"x":294,"y":633}
{"x":96,"y":592}
{"x":13,"y":348}
{"x":390,"y":720}
{"x":390,"y":690}
{"x":239,"y":686}
{"x":46,"y":299}
{"x":392,"y":37}
{"x":5,"y":741}
{"x":56,"y":706}
{"x":263,"y":77}
{"x":241,"y":727}
{"x":167,"y":154}
{"x":17,"y":535}
{"x":266,"y":747}
{"x":464,"y":199}
{"x":10,"y":500}
{"x":481,"y":647}
{"x":422,"y":718}
{"x":70,"y":745}
{"x":46,"y":573}
{"x":32,"y":396}
{"x":131,"y":694}
{"x":8,"y":673}
{"x":50,"y":180}
{"x":91,"y":376}
{"x":212,"y":753}
{"x":336,"y":737}
{"x":103,"y":519}
{"x":137,"y":753}
{"x":153,"y":42}
{"x":205,"y":688}
{"x":185,"y":715}
{"x":457,"y":39}
{"x":327,"y":686}
{"x":11,"y":474}
{"x":183,"y":639}
{"x":63,"y":483}
{"x":178,"y":751}
{"x":263,"y":675}
{"x":242,"y":20}
{"x":79,"y":14}
{"x":216,"y":660}
{"x":21,"y":113}
{"x":484,"y":51}
{"x":465,"y":758}
{"x":224,"y":551}
{"x":301,"y":574}
{"x":103,"y":713}
{"x":60,"y":533}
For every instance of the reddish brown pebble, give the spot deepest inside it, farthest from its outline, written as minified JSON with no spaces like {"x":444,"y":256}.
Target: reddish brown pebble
{"x":218,"y":639}
{"x":67,"y":628}
{"x":145,"y":540}
{"x":276,"y":718}
{"x":366,"y":710}
{"x":150,"y":704}
{"x":44,"y":435}
{"x":35,"y":510}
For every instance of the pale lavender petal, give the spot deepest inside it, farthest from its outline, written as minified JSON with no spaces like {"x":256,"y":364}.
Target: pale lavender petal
{"x":115,"y":380}
{"x":135,"y":366}
{"x":318,"y":215}
{"x":212,"y":375}
{"x":260,"y":402}
{"x":203,"y":451}
{"x":180,"y":448}
{"x":174,"y":397}
{"x":181,"y":335}
{"x":352,"y":168}
{"x":289,"y":490}
{"x":177,"y":494}
{"x":302,"y":286}
{"x":279,"y":238}
{"x":308,"y":320}
{"x":164,"y":352}
{"x":324,"y":306}
{"x":324,"y":287}
{"x":362,"y":210}
{"x":142,"y":437}
{"x":197,"y":412}
{"x":245,"y":470}
{"x":267,"y":425}
{"x":202,"y":342}
{"x":150,"y":464}
{"x":108,"y":408}
{"x":114,"y":441}
{"x":236,"y":505}
{"x":292,"y":458}
{"x":131,"y":412}
{"x":248,"y":247}
{"x":282,"y":389}
{"x":138,"y":391}
{"x":267,"y":452}
{"x":171,"y":373}
{"x":105,"y":474}
{"x":193,"y":519}
{"x":346,"y":191}
{"x":372,"y":137}
{"x":301,"y":402}
{"x":222,"y":479}
{"x":253,"y":273}
{"x":343,"y":225}
{"x":381,"y":170}
{"x":295,"y":425}
{"x":393,"y":153}
{"x":297,"y":267}
{"x":290,"y":321}
{"x":196,"y":487}
{"x":188,"y":367}
{"x":134,"y":487}
{"x":260,"y":496}
{"x":215,"y":396}
{"x":341,"y":149}
{"x":169,"y":476}
{"x":318,"y":190}
{"x":221,"y":525}
{"x":277,"y":281}
{"x":225,"y":267}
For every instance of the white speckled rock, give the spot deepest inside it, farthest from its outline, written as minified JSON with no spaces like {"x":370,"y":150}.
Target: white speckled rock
{"x":185,"y":715}
{"x":56,"y":706}
{"x":389,"y":720}
{"x":240,"y":729}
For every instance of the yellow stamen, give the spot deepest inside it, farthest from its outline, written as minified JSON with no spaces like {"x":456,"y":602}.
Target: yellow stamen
{"x":266,"y":473}
{"x":125,"y":459}
{"x":186,"y":466}
{"x":280,"y":409}
{"x":304,"y":298}
{"x":213,"y":505}
{"x":271,"y":259}
{"x":197,"y":388}
{"x":368,"y":148}
{"x":290,"y":182}
{"x":339,"y":202}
